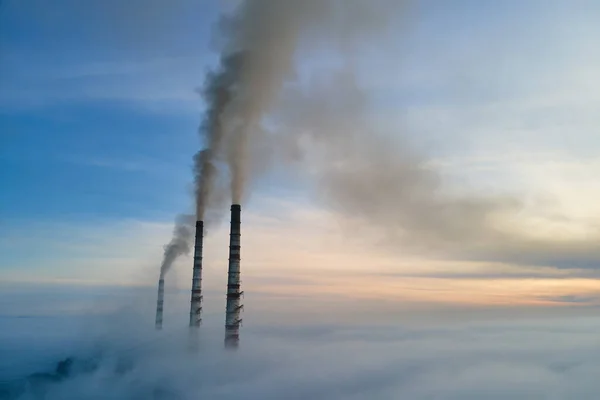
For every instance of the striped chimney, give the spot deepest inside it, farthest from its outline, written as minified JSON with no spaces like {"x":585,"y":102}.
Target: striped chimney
{"x":196,"y":300}
{"x":159,"y":303}
{"x":233,"y":308}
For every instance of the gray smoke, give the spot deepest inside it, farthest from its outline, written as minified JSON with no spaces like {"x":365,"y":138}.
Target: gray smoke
{"x":262,"y":111}
{"x":323,"y":125}
{"x":179,"y":244}
{"x":388,"y":191}
{"x":372,"y":175}
{"x":218,"y":92}
{"x":258,"y":43}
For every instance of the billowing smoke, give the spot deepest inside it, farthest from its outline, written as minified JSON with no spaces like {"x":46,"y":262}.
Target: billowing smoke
{"x":378,"y":183}
{"x":372,"y":176}
{"x":258,"y":43}
{"x":357,"y":169}
{"x":218,"y":93}
{"x":263,"y":109}
{"x":179,"y":244}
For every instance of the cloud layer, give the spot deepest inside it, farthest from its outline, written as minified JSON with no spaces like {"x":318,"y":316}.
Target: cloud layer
{"x":539,"y":359}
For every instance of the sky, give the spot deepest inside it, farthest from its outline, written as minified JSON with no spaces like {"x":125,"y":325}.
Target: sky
{"x":425,"y":224}
{"x":99,"y":119}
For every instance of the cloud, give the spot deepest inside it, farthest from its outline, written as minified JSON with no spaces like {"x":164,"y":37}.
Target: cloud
{"x":545,"y":359}
{"x":133,"y":164}
{"x":291,"y":252}
{"x":160,"y":85}
{"x":107,"y":251}
{"x":138,"y":52}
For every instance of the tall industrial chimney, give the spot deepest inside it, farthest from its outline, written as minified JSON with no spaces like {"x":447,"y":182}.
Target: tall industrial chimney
{"x":233,"y":308}
{"x":196,"y":301}
{"x":160,"y":302}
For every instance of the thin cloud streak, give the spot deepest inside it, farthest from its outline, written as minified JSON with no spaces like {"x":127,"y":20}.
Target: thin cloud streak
{"x":290,"y":251}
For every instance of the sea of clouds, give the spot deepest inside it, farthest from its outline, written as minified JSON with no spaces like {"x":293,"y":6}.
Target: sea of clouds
{"x":118,"y":355}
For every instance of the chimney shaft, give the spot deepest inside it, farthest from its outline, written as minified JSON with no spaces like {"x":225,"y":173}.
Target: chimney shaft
{"x":233,"y":308}
{"x":159,"y":303}
{"x":196,"y":300}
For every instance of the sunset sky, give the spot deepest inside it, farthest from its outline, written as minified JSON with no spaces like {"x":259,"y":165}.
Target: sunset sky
{"x":99,"y":120}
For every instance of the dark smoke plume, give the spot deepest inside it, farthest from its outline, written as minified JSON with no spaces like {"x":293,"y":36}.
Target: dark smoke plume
{"x":262,"y":111}
{"x":218,"y":92}
{"x":179,"y":244}
{"x":258,"y":44}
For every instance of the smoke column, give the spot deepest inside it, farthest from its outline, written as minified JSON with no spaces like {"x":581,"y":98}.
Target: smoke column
{"x":217,"y":93}
{"x":178,"y":246}
{"x":258,"y":42}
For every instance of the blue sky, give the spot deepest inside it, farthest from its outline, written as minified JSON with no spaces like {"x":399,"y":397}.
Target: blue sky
{"x":78,"y":138}
{"x":92,"y":129}
{"x":99,"y":120}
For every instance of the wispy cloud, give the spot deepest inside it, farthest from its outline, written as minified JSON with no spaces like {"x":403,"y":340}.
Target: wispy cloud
{"x":131,"y":164}
{"x":166,"y":84}
{"x":289,"y":250}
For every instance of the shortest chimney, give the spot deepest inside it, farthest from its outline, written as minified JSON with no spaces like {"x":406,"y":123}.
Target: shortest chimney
{"x":159,"y":303}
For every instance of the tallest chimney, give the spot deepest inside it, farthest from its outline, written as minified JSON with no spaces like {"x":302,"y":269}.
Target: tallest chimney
{"x":233,"y":308}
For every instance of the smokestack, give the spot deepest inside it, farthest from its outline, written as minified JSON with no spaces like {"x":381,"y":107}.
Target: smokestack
{"x":159,"y":303}
{"x":233,"y":308}
{"x":196,"y":301}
